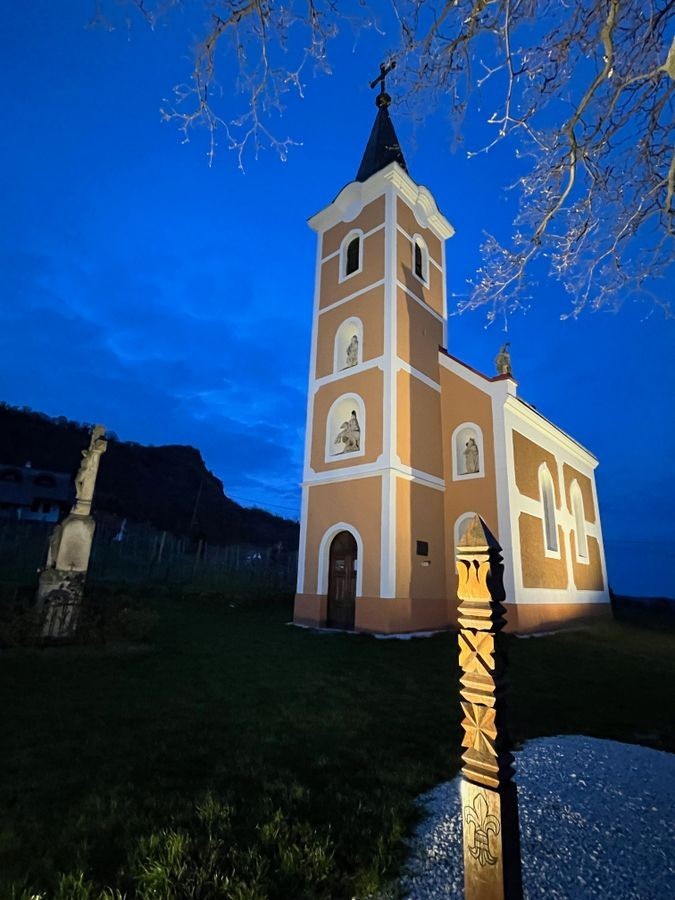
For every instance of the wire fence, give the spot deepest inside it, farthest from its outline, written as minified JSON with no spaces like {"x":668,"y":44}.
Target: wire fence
{"x":140,"y":554}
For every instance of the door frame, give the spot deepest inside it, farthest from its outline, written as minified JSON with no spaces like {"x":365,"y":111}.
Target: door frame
{"x":324,"y":558}
{"x":348,"y":604}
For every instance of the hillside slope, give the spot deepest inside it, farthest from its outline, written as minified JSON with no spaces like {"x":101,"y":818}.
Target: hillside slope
{"x":168,"y":487}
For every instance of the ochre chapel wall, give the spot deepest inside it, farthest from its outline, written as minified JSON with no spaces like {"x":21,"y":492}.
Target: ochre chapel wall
{"x":368,"y":307}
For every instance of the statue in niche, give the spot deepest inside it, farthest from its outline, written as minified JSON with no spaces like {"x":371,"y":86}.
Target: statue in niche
{"x":471,"y":462}
{"x":350,"y":434}
{"x":503,"y":360}
{"x":352,"y":352}
{"x":86,"y":476}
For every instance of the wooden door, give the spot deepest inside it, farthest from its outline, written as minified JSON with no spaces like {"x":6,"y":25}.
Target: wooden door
{"x":342,"y":581}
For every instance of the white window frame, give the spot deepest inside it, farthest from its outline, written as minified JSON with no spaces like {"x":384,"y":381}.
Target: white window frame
{"x":357,"y":403}
{"x":418,"y":239}
{"x":549,"y":519}
{"x":343,"y":326}
{"x":346,"y":241}
{"x":466,"y":476}
{"x":580,"y":533}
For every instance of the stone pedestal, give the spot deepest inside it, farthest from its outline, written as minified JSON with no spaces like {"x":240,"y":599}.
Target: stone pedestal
{"x":61,"y":584}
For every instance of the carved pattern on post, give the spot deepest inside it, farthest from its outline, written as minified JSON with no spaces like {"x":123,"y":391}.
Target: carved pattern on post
{"x":489,"y":800}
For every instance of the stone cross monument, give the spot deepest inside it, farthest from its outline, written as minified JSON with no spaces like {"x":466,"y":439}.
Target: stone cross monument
{"x":61,"y":585}
{"x":489,"y":799}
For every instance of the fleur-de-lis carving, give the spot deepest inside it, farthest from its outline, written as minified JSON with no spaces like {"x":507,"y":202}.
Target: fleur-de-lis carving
{"x":480,"y":824}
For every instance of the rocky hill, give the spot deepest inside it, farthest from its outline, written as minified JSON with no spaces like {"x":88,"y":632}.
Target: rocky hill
{"x":169,"y":487}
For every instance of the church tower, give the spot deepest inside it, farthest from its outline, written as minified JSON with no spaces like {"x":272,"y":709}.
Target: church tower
{"x":372,"y":524}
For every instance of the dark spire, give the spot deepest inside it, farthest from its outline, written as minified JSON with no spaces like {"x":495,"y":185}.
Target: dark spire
{"x":382,"y":147}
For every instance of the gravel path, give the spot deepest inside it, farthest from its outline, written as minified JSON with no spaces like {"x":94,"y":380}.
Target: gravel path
{"x":597,"y":819}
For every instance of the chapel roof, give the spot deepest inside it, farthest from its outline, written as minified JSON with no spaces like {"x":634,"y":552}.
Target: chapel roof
{"x":383,"y":146}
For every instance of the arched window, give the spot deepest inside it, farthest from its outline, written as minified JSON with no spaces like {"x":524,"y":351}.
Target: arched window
{"x":547,"y":493}
{"x":348,"y":339}
{"x":420,"y":259}
{"x":345,"y":428}
{"x":468,"y":458}
{"x":579,"y":522}
{"x":351,"y":254}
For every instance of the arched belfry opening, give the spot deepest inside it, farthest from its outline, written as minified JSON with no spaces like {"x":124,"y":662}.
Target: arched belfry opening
{"x":342,"y":581}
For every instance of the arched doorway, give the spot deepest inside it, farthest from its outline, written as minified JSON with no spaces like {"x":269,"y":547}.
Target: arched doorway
{"x":342,"y":581}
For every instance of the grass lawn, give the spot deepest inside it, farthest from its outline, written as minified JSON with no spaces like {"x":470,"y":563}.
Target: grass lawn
{"x":238,"y":757}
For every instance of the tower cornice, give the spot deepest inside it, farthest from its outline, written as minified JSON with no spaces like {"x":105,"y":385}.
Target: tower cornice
{"x":355,"y":195}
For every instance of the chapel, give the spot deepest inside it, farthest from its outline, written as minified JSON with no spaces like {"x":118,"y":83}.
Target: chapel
{"x":405,"y":443}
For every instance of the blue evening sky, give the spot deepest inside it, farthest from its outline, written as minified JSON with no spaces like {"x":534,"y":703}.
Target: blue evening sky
{"x":172,"y":301}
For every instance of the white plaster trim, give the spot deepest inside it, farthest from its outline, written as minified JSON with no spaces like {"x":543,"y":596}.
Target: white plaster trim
{"x":542,"y":427}
{"x":346,"y":240}
{"x":425,"y":306}
{"x":417,"y":239}
{"x":501,"y":388}
{"x":403,"y":366}
{"x":331,"y":435}
{"x":567,"y":451}
{"x":390,"y":409}
{"x":364,"y":235}
{"x":348,"y":203}
{"x":376,"y":363}
{"x":545,"y":481}
{"x":358,"y":293}
{"x":532,"y":507}
{"x":309,"y":422}
{"x":597,"y":533}
{"x":457,"y":476}
{"x":324,"y":557}
{"x":419,"y":477}
{"x":354,"y":196}
{"x":420,"y":200}
{"x":368,"y":470}
{"x":445,"y":294}
{"x":576,"y":498}
{"x":388,"y":536}
{"x":507,"y":512}
{"x":302,"y":545}
{"x":559,"y":595}
{"x":411,"y":238}
{"x":356,"y":322}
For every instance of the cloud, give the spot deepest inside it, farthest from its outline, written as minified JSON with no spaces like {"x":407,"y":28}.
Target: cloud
{"x":140,"y":352}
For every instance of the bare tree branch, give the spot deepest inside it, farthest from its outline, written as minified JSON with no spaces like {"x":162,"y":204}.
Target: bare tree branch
{"x":585,"y":95}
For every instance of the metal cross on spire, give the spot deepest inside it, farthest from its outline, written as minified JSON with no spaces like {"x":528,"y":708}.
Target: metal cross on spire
{"x":383,"y":98}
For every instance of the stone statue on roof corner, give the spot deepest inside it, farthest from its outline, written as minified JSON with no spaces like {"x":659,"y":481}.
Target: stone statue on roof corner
{"x":503,"y":360}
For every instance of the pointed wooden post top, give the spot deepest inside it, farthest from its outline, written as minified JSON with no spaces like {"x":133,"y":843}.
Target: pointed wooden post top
{"x":478,"y":536}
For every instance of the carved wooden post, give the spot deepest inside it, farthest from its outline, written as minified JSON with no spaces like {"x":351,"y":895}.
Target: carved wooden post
{"x":489,"y":799}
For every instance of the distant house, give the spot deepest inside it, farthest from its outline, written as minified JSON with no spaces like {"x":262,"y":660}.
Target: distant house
{"x":34,"y":495}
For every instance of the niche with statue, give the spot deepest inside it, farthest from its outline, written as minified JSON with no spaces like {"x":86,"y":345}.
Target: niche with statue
{"x":348,"y":341}
{"x":468,"y":458}
{"x":345,"y":429}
